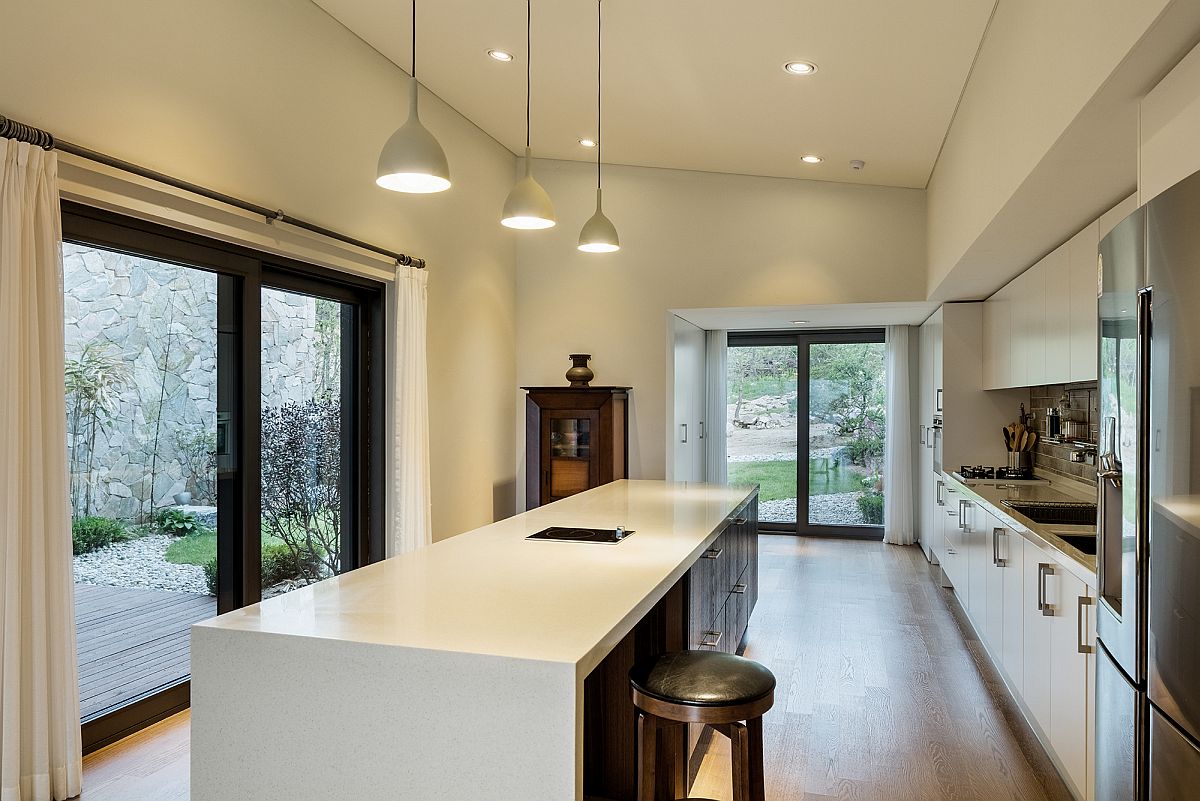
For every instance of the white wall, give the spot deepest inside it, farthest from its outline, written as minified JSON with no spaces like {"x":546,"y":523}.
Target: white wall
{"x":697,"y":240}
{"x":1040,"y":64}
{"x":1170,"y":129}
{"x":273,"y":100}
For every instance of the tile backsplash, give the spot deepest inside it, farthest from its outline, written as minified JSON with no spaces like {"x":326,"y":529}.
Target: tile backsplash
{"x":1055,"y":458}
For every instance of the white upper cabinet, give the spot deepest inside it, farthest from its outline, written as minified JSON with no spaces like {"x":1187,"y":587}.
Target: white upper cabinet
{"x":1041,"y":327}
{"x":1082,"y":253}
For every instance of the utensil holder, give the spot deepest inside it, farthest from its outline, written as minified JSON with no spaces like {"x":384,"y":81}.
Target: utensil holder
{"x":1020,"y":462}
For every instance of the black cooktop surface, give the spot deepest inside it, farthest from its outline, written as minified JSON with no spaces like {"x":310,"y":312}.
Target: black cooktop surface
{"x":570,"y":534}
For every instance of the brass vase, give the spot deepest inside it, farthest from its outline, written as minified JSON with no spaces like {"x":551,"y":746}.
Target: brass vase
{"x":580,"y":374}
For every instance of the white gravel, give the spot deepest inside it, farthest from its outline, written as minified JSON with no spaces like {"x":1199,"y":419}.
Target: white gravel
{"x":139,"y":563}
{"x":838,"y":509}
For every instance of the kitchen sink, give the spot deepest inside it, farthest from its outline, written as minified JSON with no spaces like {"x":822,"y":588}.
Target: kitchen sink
{"x":1083,"y":542}
{"x":1074,"y":513}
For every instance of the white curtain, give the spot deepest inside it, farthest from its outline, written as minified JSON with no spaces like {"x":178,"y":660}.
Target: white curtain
{"x":897,"y":447}
{"x":716,"y":345}
{"x":411,"y":504}
{"x":41,"y":758}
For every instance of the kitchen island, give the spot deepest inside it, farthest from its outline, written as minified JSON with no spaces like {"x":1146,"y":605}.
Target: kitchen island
{"x":472,"y":668}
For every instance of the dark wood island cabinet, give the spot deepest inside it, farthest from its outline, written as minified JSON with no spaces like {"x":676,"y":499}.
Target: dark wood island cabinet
{"x":707,"y":609}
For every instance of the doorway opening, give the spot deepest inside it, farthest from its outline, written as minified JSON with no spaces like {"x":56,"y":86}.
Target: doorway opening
{"x":806,"y":420}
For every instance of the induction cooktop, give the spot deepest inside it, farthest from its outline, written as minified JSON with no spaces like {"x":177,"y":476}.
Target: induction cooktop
{"x":571,"y":534}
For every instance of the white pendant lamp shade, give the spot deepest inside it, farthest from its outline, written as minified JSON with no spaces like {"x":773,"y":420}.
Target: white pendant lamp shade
{"x":412,"y":160}
{"x":599,"y":235}
{"x":528,"y":206}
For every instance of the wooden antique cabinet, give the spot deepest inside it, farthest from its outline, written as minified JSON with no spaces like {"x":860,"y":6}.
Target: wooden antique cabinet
{"x":576,"y":438}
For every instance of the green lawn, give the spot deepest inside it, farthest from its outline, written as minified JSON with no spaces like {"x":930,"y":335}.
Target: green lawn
{"x":196,"y":549}
{"x":777,"y":480}
{"x":200,"y":549}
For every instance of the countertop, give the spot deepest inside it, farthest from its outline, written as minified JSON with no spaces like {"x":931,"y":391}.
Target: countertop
{"x":490,"y":591}
{"x":1079,"y":563}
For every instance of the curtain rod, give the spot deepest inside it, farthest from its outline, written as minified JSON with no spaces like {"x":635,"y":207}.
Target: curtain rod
{"x":11,"y":129}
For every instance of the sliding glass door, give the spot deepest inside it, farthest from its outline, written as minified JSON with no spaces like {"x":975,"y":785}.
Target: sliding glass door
{"x":807,"y":411}
{"x":220,"y":424}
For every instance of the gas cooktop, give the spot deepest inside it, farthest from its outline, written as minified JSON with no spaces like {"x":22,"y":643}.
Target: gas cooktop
{"x":570,"y":534}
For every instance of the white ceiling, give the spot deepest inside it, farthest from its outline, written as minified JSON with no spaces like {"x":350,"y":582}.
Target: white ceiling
{"x":700,"y":85}
{"x":846,"y":315}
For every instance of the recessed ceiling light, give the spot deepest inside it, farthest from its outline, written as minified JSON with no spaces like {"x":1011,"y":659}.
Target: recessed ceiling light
{"x":811,"y":159}
{"x":587,"y":142}
{"x":800,"y":67}
{"x":501,"y":55}
{"x":799,"y":322}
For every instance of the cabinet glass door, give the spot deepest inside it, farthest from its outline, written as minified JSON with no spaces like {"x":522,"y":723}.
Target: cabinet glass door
{"x":570,"y":466}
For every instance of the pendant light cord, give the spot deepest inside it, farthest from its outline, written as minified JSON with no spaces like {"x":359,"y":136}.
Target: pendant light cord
{"x":528,"y":63}
{"x":599,"y":92}
{"x":414,"y":39}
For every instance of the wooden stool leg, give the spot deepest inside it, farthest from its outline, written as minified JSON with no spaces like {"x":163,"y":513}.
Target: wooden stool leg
{"x":647,"y":740}
{"x":758,"y":784}
{"x":739,"y":752}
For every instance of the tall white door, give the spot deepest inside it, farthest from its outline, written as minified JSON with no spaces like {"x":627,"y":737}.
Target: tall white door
{"x":688,"y":386}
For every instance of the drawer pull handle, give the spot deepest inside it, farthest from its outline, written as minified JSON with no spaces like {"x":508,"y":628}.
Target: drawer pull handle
{"x":716,"y":639}
{"x":1044,"y":606}
{"x":739,"y":588}
{"x":714,"y":553}
{"x":1084,"y":648}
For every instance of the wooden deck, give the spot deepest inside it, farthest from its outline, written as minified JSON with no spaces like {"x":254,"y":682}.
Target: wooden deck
{"x":132,"y":642}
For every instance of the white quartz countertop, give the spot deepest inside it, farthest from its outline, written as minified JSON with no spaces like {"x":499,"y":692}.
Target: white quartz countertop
{"x":491,"y":591}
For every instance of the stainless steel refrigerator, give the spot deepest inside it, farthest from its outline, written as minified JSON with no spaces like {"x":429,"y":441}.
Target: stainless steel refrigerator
{"x":1148,"y":626}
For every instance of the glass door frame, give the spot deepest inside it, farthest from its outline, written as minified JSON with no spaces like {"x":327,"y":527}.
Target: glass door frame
{"x":803,"y":340}
{"x":239,"y":507}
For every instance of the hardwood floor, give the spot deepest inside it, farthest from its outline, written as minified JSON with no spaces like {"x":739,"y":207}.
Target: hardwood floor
{"x":152,"y":765}
{"x":883,"y":693}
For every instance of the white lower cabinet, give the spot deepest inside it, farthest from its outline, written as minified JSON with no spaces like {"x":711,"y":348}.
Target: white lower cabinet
{"x":994,"y":576}
{"x":1035,"y":659}
{"x":1070,"y":600}
{"x":1037,"y":620}
{"x":1012,"y":646}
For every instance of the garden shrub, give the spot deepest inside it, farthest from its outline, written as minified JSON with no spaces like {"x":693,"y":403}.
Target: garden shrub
{"x":871,"y":506}
{"x":210,"y":576}
{"x":90,"y":532}
{"x":301,"y":483}
{"x":178,"y":523}
{"x":281,"y":563}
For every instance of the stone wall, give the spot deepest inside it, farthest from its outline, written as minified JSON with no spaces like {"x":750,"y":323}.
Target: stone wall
{"x":155,"y":324}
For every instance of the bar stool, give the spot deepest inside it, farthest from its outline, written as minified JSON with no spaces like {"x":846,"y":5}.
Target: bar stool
{"x":729,"y":693}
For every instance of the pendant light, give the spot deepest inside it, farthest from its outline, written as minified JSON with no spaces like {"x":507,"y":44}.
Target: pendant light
{"x":528,"y":206}
{"x":412,"y":160}
{"x":598,"y":234}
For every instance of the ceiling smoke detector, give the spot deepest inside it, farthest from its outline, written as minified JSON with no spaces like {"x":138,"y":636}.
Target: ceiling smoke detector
{"x":857,"y":164}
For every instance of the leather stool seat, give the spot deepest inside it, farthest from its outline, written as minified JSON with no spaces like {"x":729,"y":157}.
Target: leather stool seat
{"x":727,"y":692}
{"x":702,"y":678}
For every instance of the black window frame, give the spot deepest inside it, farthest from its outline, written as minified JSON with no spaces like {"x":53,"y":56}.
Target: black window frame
{"x":364,"y":443}
{"x":802,"y":340}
